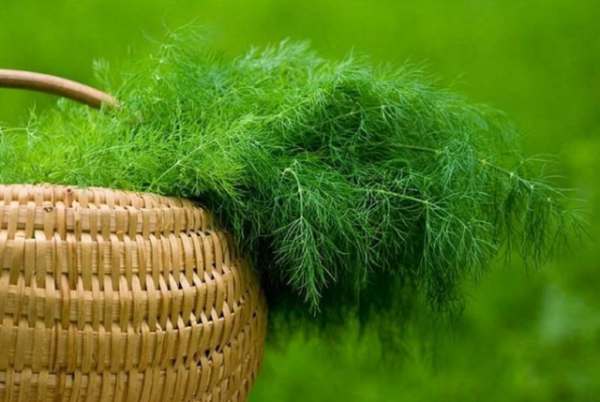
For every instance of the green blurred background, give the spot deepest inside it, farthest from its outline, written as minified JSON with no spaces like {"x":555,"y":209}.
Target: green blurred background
{"x":525,"y":335}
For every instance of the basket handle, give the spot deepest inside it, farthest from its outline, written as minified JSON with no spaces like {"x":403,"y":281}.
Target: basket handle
{"x":57,"y":86}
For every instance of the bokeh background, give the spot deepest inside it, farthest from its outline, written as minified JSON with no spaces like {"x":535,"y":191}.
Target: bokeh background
{"x":525,"y":335}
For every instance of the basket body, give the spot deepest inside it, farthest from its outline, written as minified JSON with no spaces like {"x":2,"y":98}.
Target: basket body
{"x":118,"y":296}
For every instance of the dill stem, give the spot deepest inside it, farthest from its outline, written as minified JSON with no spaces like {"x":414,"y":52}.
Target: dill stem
{"x":510,"y":174}
{"x":401,"y":196}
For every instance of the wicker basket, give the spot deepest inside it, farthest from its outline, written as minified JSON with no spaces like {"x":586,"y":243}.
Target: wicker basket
{"x":119,"y":296}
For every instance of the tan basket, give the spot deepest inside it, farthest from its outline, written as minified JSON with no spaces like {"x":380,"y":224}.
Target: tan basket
{"x":119,"y":296}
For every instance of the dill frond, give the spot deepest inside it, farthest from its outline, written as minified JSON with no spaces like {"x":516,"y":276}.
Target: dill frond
{"x":331,"y":174}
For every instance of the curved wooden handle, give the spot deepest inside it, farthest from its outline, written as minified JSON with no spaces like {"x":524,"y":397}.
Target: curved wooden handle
{"x":57,"y":86}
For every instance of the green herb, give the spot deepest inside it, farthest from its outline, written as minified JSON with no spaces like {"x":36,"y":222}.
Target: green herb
{"x":330,"y":174}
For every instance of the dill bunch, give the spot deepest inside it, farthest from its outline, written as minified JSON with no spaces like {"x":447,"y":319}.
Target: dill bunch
{"x":342,"y":181}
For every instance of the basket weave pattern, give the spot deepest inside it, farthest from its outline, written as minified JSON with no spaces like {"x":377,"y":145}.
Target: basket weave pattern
{"x":118,"y":296}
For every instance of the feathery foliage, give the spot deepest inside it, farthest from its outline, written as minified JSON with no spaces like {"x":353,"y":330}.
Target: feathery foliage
{"x":331,"y":174}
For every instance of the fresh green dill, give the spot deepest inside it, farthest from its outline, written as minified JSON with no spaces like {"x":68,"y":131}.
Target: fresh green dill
{"x":330,"y":174}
